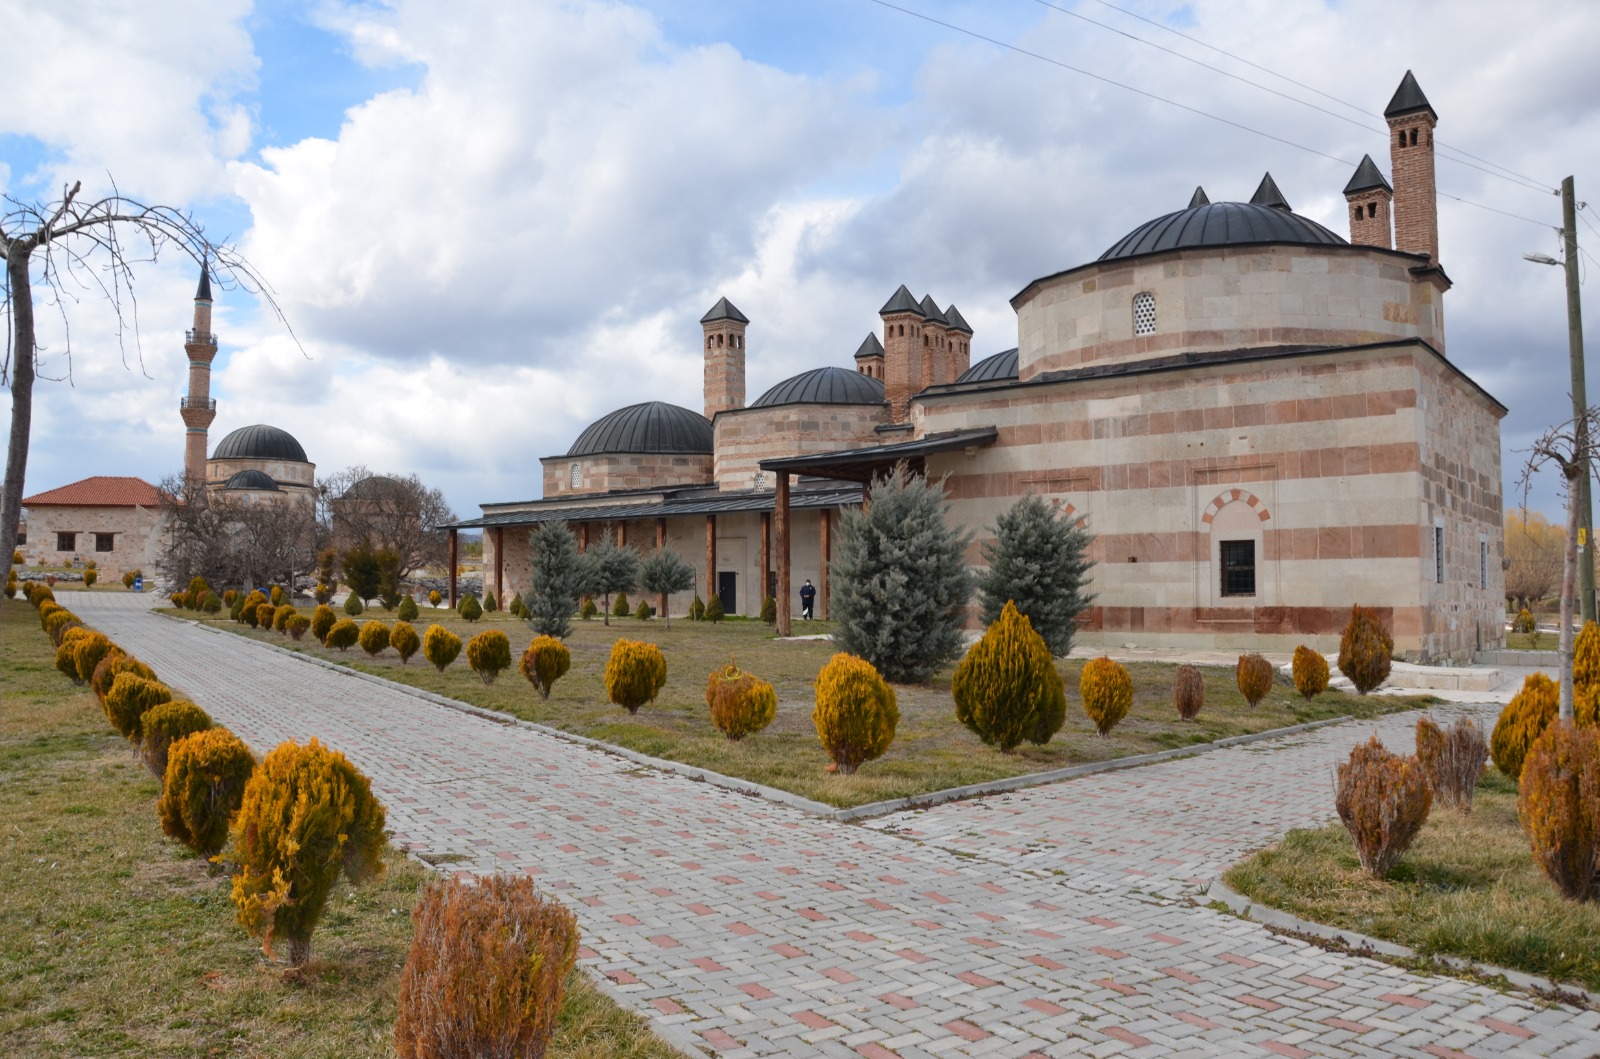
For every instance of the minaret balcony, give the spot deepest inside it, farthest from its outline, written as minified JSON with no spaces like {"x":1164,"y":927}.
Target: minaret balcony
{"x":207,"y":403}
{"x":200,"y":338}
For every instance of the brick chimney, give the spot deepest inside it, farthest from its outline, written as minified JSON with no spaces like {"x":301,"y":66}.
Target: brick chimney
{"x":960,"y":358}
{"x":1416,"y":207}
{"x":902,"y":352}
{"x":724,"y":352}
{"x":935,"y":344}
{"x":1369,"y":196}
{"x":869,"y":357}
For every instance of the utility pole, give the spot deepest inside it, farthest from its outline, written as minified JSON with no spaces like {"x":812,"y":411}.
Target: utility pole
{"x":1580,"y":398}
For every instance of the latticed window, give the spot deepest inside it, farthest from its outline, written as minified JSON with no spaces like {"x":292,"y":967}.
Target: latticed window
{"x":577,"y":475}
{"x":1238,"y":568}
{"x":1144,"y":313}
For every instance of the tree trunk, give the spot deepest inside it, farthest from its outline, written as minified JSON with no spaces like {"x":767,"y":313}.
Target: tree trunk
{"x":22,"y":351}
{"x":299,"y":952}
{"x":1569,"y":571}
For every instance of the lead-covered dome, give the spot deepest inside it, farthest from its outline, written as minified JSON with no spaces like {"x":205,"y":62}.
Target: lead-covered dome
{"x":653,"y":426}
{"x":828,"y":385}
{"x":260,"y":442}
{"x":1002,"y":365}
{"x":252,"y":479}
{"x":1222,"y":224}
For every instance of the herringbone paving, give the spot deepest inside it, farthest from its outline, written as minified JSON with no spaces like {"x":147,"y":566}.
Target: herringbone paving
{"x":1049,"y":922}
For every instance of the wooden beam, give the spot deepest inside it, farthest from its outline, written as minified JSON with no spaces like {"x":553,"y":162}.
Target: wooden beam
{"x":711,"y":558}
{"x":766,"y":551}
{"x":583,"y":537}
{"x":500,"y":564}
{"x":622,"y":534}
{"x":824,"y":549}
{"x":451,"y":576}
{"x":661,"y":542}
{"x":781,"y":524}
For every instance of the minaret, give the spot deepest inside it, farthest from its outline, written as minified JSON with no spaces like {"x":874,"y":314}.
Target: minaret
{"x":1416,"y":208}
{"x":724,"y":328}
{"x":199,"y":408}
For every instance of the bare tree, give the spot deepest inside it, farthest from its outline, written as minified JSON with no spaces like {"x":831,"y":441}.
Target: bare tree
{"x":238,"y":541}
{"x":1533,"y":556}
{"x":1570,"y":447}
{"x":390,"y":512}
{"x":72,"y":245}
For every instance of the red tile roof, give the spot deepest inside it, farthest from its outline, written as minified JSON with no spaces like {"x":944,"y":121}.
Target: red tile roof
{"x":99,"y":491}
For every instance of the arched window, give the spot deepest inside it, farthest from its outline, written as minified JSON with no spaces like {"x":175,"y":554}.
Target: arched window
{"x":576,"y":474}
{"x":1144,"y":313}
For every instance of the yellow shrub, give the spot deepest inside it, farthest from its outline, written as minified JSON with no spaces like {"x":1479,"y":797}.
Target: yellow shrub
{"x":165,"y":724}
{"x":110,"y":665}
{"x":634,"y":673}
{"x":484,"y":977}
{"x":203,"y":786}
{"x":296,"y":626}
{"x":1007,"y":688}
{"x":741,"y":703}
{"x":1310,"y":672}
{"x":89,"y":651}
{"x":307,"y":815}
{"x":374,"y":638}
{"x":1522,"y":721}
{"x":545,"y":661}
{"x":1524,"y":621}
{"x":130,"y":696}
{"x":1383,"y":801}
{"x":258,"y":615}
{"x":276,"y":596}
{"x":1365,"y":650}
{"x":67,"y":653}
{"x":856,"y":713}
{"x":1558,"y":803}
{"x":197,"y":588}
{"x":404,"y":639}
{"x":1254,"y":676}
{"x":489,"y":653}
{"x":343,"y":635}
{"x":1586,"y":656}
{"x":440,"y":646}
{"x":1188,"y":691}
{"x":280,"y":618}
{"x":323,"y":619}
{"x":1107,"y":693}
{"x":434,"y":597}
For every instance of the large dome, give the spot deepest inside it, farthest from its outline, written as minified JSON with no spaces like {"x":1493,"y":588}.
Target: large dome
{"x":828,"y":385}
{"x":1222,"y":224}
{"x":1002,"y":365}
{"x":260,"y":442}
{"x":653,"y":426}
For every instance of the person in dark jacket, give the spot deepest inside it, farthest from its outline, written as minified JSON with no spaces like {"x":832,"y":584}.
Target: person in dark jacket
{"x":808,"y":599}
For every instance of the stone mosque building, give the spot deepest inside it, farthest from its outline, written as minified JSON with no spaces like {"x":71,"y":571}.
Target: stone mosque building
{"x":1256,"y":416}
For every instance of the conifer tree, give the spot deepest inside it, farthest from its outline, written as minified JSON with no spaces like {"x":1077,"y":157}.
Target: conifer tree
{"x":901,"y":585}
{"x":1040,"y":562}
{"x":557,"y":580}
{"x":608,"y":569}
{"x":664,"y":573}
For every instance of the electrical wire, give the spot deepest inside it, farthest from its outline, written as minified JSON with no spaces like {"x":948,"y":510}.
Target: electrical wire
{"x":1491,"y":209}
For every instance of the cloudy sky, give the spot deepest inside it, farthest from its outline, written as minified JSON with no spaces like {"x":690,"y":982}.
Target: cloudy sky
{"x":490,"y":223}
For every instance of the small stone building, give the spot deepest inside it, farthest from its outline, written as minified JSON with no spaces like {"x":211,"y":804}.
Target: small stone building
{"x":115,"y":522}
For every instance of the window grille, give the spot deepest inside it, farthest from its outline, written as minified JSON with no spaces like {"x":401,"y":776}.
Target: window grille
{"x":1438,"y":555}
{"x":1483,"y":564}
{"x":1238,"y":568}
{"x":66,"y":542}
{"x":576,"y":475}
{"x":1144,"y":313}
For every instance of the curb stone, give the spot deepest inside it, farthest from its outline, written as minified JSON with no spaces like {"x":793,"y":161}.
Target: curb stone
{"x":782,"y":797}
{"x":1251,"y":909}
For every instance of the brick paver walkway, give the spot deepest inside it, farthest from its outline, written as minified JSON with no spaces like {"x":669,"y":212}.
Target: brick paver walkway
{"x":1041,"y":923}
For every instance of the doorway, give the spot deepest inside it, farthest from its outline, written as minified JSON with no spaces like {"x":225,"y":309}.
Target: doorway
{"x":728,"y":590}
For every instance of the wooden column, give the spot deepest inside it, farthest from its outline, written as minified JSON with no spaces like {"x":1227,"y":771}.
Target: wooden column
{"x":661,"y":542}
{"x":781,"y":525}
{"x":622,"y":534}
{"x":711,"y":558}
{"x":766,"y":551}
{"x":500,"y":564}
{"x":583,"y":537}
{"x":451,"y":576}
{"x":824,"y":549}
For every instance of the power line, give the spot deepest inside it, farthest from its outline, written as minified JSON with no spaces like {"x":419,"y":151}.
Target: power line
{"x":1491,"y":209}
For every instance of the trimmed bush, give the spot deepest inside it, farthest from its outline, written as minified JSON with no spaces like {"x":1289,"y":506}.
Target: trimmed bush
{"x":164,"y":724}
{"x":1558,"y":803}
{"x":265,"y":614}
{"x":229,"y":598}
{"x":1522,"y":721}
{"x":1586,"y":656}
{"x":697,"y":609}
{"x":714,"y":611}
{"x":203,"y":786}
{"x":1107,"y":693}
{"x":307,"y":817}
{"x":440,"y":646}
{"x":210,"y":603}
{"x":90,"y":649}
{"x":58,"y":620}
{"x":46,"y":609}
{"x":489,"y":961}
{"x":489,"y":654}
{"x":323,"y":619}
{"x":1452,"y":759}
{"x":276,"y":596}
{"x":741,"y":703}
{"x":1254,"y":676}
{"x":405,"y":641}
{"x":344,"y":634}
{"x":1188,"y":691}
{"x":634,"y":673}
{"x":1310,"y":672}
{"x":67,"y":654}
{"x":620,"y":608}
{"x":434,"y":597}
{"x":408,"y":609}
{"x":198,"y":586}
{"x":470,"y":609}
{"x":490,"y":604}
{"x":769,"y":610}
{"x":545,"y":661}
{"x":280,"y":618}
{"x":1383,"y":801}
{"x":1524,"y":622}
{"x":90,"y":576}
{"x":114,"y":663}
{"x":374,"y":638}
{"x":353,"y":606}
{"x":130,"y":696}
{"x":251,"y":613}
{"x":588,"y":610}
{"x":516,"y":607}
{"x":1007,"y":688}
{"x":296,"y":626}
{"x":236,"y":610}
{"x":1365,"y":650}
{"x":856,"y":713}
{"x":323,"y":593}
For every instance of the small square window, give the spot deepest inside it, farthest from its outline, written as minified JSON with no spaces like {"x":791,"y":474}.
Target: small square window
{"x":66,"y":542}
{"x":1238,"y":568}
{"x":105,"y":542}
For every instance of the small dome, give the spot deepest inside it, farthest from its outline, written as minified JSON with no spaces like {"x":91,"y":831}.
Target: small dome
{"x":260,"y":442}
{"x":252,"y":479}
{"x":1002,"y":365}
{"x":823,"y":386}
{"x":1222,"y":224}
{"x":653,"y":426}
{"x":372,"y":487}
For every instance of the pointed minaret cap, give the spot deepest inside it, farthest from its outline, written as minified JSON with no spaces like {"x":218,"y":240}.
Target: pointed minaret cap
{"x":1199,"y":198}
{"x":203,"y":292}
{"x":724,"y":310}
{"x":901,"y":302}
{"x":956,"y":321}
{"x":870,"y":347}
{"x":1267,"y":194}
{"x":1366,"y":178}
{"x":930,"y":310}
{"x":1408,"y":99}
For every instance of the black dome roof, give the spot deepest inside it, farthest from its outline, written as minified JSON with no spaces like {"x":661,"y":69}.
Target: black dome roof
{"x":653,"y":426}
{"x":1222,"y":224}
{"x":372,"y":487}
{"x":252,"y":479}
{"x":1002,"y":365}
{"x":260,"y":442}
{"x":828,"y":385}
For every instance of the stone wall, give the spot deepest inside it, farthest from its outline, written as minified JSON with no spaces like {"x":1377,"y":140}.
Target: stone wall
{"x":291,"y":475}
{"x":614,"y":471}
{"x":746,"y":437}
{"x":136,"y":538}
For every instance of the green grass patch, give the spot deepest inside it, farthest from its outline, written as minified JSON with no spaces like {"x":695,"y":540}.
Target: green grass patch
{"x":117,"y":941}
{"x":931,"y":751}
{"x":1527,"y":641}
{"x":1467,"y":888}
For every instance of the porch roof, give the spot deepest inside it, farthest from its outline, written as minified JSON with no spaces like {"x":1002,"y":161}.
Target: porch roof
{"x":669,"y":507}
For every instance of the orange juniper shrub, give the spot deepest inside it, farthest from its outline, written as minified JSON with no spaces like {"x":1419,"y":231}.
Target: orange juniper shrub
{"x":323,"y":619}
{"x":489,"y":653}
{"x":1106,"y":691}
{"x":1007,"y":688}
{"x":1558,"y":805}
{"x":440,"y":646}
{"x":296,"y":626}
{"x":112,"y":664}
{"x":545,"y":661}
{"x":404,"y":639}
{"x":202,"y":788}
{"x":1522,"y":721}
{"x":1383,"y":801}
{"x":343,"y":635}
{"x":1365,"y":650}
{"x":856,"y":714}
{"x":741,"y":703}
{"x":1310,"y":672}
{"x":165,"y":724}
{"x":67,"y":654}
{"x":374,"y":638}
{"x":1188,"y":691}
{"x":130,"y":696}
{"x":1254,"y":676}
{"x":635,"y":672}
{"x":89,"y":651}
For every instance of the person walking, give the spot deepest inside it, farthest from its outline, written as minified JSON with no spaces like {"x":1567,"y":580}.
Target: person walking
{"x":808,"y":599}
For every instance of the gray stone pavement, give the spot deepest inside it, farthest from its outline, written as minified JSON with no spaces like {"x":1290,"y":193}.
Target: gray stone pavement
{"x":1047,"y":922}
